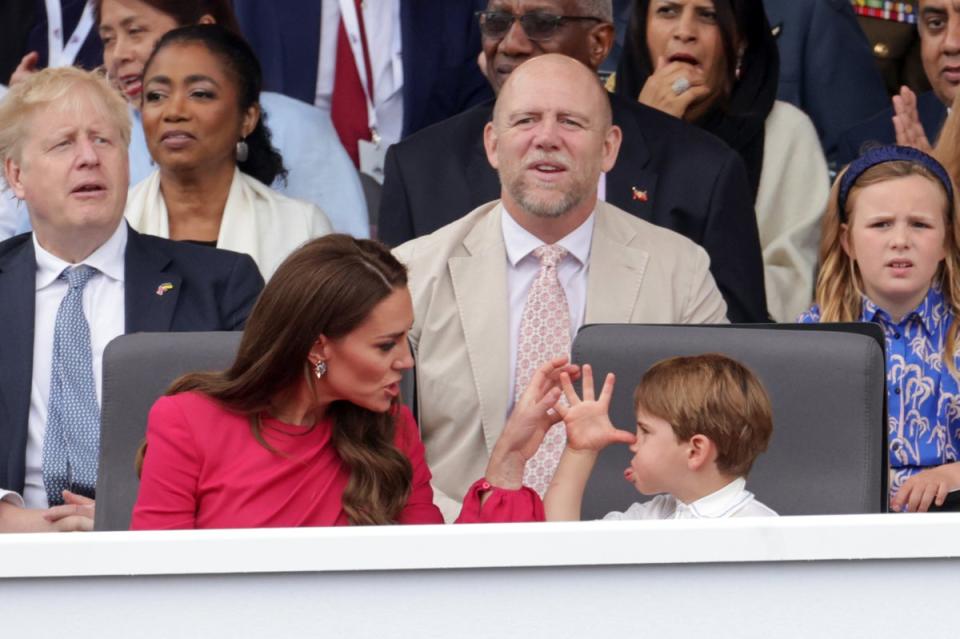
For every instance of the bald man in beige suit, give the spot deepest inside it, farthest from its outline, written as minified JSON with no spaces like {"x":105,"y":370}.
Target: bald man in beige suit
{"x":550,"y":140}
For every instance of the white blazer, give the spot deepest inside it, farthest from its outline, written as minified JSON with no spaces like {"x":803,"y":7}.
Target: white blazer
{"x":257,"y":220}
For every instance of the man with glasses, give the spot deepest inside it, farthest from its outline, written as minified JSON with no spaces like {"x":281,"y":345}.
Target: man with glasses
{"x":668,"y":173}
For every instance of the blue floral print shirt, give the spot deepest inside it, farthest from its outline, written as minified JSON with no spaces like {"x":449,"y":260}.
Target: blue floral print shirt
{"x":923,"y":398}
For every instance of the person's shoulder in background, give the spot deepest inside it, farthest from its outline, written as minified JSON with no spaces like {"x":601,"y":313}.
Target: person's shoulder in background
{"x":826,"y":64}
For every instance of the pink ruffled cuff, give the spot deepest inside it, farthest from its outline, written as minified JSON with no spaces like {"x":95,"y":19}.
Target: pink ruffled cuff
{"x":501,"y":506}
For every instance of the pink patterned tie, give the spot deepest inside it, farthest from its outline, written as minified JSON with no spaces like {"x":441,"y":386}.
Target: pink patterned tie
{"x":544,"y":334}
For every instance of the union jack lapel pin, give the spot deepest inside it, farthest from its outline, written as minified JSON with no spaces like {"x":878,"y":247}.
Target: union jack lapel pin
{"x":640,"y":196}
{"x":163,"y":288}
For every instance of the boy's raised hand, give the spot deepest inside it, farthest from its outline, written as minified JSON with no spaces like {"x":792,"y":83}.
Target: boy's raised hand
{"x":588,"y":420}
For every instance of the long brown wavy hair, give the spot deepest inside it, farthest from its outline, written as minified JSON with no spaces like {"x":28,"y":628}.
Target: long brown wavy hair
{"x":327,"y":287}
{"x":839,"y":284}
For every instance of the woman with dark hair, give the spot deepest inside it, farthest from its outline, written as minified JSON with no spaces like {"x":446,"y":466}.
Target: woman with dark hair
{"x":201,"y":119}
{"x":319,"y":169}
{"x":714,"y":63}
{"x":305,"y":428}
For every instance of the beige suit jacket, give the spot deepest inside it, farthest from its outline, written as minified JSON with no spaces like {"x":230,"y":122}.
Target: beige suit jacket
{"x":638,"y":273}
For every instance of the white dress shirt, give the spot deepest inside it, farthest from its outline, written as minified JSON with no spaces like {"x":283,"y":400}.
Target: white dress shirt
{"x":733,"y":500}
{"x":381,"y":21}
{"x":103,"y":306}
{"x":522,"y":270}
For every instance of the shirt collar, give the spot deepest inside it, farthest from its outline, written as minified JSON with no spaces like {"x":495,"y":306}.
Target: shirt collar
{"x":929,"y":311}
{"x":520,"y":242}
{"x":108,"y":259}
{"x":718,"y":504}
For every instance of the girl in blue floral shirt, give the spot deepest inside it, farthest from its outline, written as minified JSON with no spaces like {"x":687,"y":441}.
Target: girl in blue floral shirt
{"x":889,"y":254}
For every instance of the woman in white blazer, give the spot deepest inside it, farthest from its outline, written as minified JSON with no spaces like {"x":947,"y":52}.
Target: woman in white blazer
{"x":202,"y":124}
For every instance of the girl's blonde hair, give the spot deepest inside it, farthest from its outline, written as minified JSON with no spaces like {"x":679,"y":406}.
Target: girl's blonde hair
{"x":839,"y":284}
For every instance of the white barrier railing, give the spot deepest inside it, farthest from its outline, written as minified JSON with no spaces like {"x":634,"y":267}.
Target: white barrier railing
{"x":776,"y":577}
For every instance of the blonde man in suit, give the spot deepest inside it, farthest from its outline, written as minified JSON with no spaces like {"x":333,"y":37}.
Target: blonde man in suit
{"x":550,"y":139}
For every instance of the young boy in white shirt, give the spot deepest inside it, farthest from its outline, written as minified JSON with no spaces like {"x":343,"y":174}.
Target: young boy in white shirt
{"x":701,"y":422}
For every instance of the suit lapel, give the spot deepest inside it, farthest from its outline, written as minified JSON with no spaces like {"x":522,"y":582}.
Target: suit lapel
{"x":616,"y":271}
{"x":479,"y":285}
{"x":18,"y":276}
{"x":631,"y":184}
{"x":151,"y":291}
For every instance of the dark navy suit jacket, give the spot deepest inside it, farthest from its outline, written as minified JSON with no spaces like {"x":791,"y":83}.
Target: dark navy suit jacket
{"x":878,"y":129}
{"x":669,"y":173}
{"x":440,"y":43}
{"x":213,"y":290}
{"x":826,"y":65}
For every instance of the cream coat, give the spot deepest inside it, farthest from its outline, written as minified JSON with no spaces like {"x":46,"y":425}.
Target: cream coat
{"x":791,"y":200}
{"x":257,"y":220}
{"x":638,"y":273}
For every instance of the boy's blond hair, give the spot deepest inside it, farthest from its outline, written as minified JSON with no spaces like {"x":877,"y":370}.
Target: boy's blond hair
{"x":711,"y":395}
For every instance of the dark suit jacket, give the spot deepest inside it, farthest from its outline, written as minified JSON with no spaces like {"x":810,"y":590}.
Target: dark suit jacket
{"x":695,"y":185}
{"x":213,"y":290}
{"x":440,"y":43}
{"x":878,"y":129}
{"x":826,"y":65}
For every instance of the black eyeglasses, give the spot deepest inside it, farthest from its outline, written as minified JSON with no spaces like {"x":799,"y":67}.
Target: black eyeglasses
{"x":536,"y":24}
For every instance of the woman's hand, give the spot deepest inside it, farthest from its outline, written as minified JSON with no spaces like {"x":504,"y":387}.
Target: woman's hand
{"x":588,"y":420}
{"x":527,"y":425}
{"x":660,"y":91}
{"x":26,"y":68}
{"x":927,"y":487}
{"x":906,"y":121}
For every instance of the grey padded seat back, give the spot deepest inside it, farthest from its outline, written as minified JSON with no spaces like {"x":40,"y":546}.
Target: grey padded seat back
{"x":137,"y":369}
{"x":827,"y":453}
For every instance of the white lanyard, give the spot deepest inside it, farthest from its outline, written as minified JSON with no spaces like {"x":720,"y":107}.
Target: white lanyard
{"x":351,"y":24}
{"x":60,"y":54}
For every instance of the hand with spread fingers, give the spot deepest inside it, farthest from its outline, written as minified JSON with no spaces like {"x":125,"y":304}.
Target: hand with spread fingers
{"x":527,"y":425}
{"x":906,"y":121}
{"x":589,"y":431}
{"x":75,"y":514}
{"x":588,"y":420}
{"x":673,"y":87}
{"x":926,"y":488}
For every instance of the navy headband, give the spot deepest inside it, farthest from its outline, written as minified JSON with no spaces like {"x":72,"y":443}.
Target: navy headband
{"x":889,"y":153}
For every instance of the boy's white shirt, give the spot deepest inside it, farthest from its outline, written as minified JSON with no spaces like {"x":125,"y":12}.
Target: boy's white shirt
{"x":733,"y":500}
